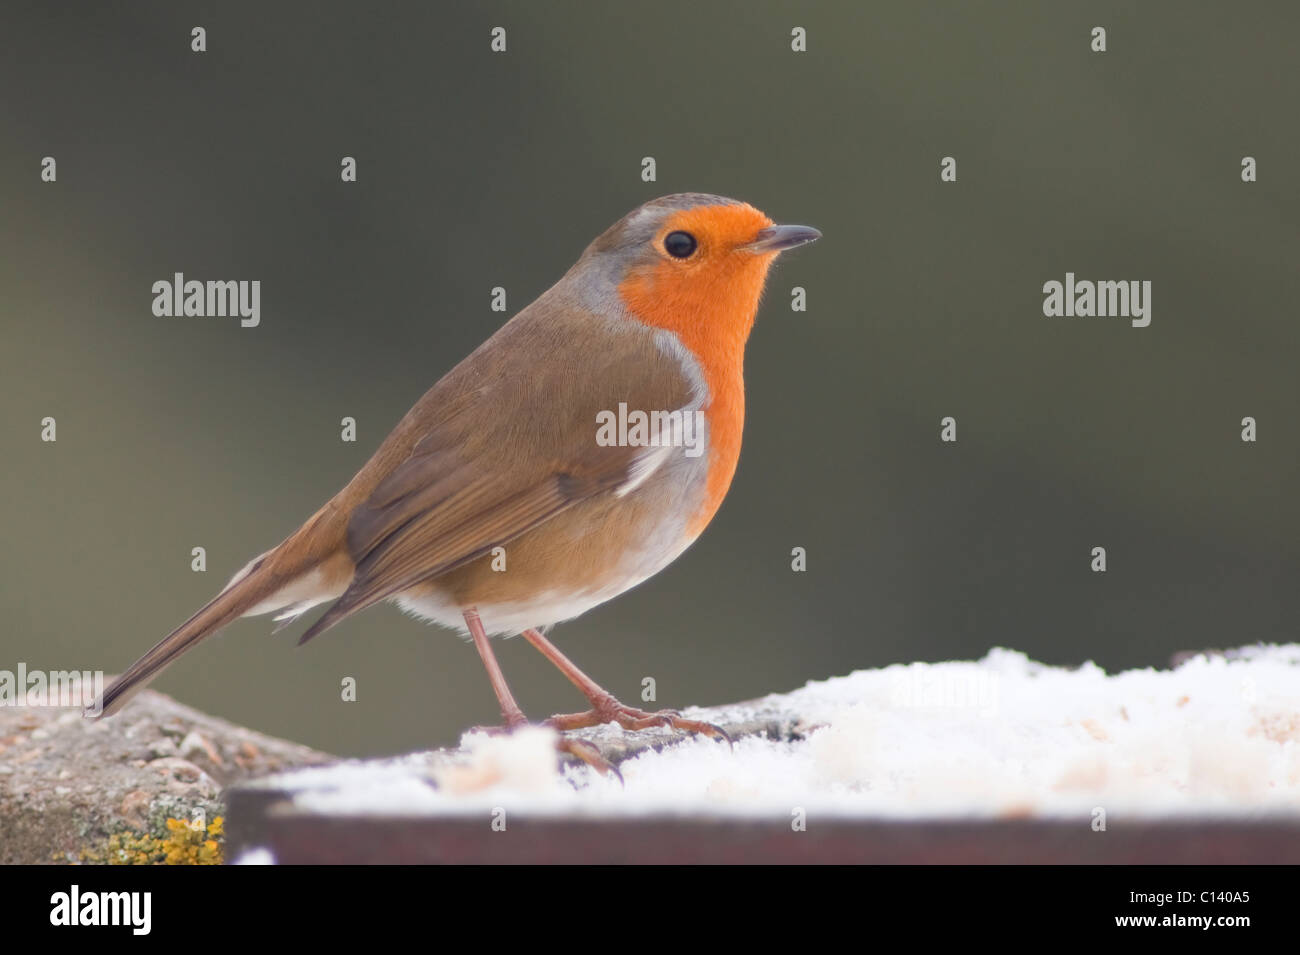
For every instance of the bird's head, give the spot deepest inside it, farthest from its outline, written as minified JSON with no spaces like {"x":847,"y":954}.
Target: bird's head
{"x":693,"y":264}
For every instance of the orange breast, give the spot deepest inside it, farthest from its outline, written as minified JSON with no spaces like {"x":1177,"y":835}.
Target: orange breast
{"x":710,"y":306}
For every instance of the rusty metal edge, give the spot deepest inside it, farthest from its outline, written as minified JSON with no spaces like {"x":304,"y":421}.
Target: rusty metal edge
{"x":267,"y":819}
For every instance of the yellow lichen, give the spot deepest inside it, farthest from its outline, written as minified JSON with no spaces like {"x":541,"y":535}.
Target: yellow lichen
{"x":184,"y":844}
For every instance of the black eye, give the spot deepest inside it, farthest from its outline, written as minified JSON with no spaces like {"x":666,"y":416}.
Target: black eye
{"x":679,"y":245}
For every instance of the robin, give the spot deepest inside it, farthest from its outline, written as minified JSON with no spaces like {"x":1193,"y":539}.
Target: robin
{"x":575,"y":453}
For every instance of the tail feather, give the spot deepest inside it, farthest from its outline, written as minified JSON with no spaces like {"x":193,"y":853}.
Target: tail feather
{"x":310,"y":558}
{"x":221,"y":610}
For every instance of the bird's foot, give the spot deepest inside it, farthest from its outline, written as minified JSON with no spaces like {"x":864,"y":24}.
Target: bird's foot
{"x":609,"y":710}
{"x":579,"y":749}
{"x":589,"y":753}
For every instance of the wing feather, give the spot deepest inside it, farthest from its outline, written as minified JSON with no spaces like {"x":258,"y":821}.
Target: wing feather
{"x":458,"y":485}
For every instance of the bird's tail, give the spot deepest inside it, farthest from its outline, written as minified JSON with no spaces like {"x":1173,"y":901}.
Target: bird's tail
{"x":308,"y":568}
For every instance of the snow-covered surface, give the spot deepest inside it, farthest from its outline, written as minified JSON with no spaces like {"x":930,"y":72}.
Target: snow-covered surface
{"x":257,"y":856}
{"x":1000,"y":737}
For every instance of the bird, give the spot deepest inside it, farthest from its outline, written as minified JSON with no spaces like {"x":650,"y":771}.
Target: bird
{"x":575,"y":453}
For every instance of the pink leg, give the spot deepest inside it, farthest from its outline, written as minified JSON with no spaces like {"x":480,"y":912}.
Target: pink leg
{"x":510,"y":710}
{"x":604,"y":707}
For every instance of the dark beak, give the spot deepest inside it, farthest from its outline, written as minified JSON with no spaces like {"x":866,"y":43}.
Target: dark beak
{"x":778,"y":238}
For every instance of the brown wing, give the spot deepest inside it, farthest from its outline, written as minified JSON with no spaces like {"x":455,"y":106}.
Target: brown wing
{"x":504,"y":442}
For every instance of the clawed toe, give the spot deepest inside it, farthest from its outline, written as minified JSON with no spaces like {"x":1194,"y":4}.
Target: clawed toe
{"x":589,"y":753}
{"x":703,"y":729}
{"x":631,"y":718}
{"x":580,"y":749}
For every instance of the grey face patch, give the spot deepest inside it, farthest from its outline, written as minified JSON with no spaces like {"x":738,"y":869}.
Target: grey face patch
{"x":639,"y":226}
{"x":593,"y":280}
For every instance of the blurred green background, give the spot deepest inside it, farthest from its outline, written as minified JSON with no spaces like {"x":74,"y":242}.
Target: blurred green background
{"x":476,"y":170}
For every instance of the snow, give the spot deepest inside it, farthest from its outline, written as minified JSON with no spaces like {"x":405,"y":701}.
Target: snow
{"x":255,"y":856}
{"x":1000,"y":737}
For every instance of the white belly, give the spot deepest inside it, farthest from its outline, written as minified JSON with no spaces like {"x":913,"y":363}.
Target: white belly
{"x":547,"y":608}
